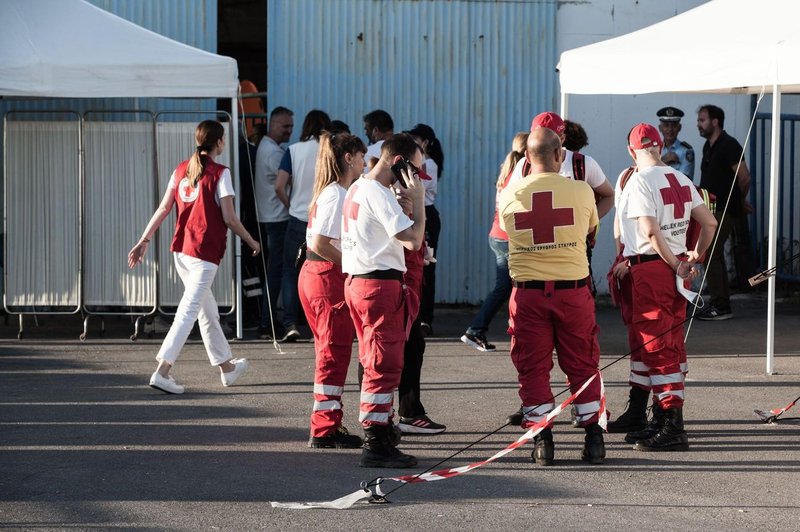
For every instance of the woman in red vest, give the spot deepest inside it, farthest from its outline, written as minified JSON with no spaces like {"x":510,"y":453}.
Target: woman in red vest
{"x":203,"y":193}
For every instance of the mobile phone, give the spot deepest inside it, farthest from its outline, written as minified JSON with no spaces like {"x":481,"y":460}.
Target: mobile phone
{"x":397,"y":169}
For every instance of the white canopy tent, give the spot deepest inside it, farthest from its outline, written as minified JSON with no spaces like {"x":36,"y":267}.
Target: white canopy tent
{"x":72,"y":49}
{"x":723,"y":46}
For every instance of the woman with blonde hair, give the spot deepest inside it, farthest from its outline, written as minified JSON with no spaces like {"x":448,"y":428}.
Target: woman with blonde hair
{"x":203,"y":193}
{"x":475,"y":336}
{"x":321,"y":287}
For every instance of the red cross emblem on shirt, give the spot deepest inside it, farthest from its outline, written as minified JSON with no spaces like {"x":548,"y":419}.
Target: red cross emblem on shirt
{"x":350,"y":208}
{"x":542,"y":219}
{"x":676,"y":195}
{"x":187,"y":190}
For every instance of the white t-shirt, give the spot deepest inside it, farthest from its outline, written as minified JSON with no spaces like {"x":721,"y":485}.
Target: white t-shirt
{"x":304,"y":161}
{"x":268,"y":159}
{"x":224,"y":186}
{"x":660,"y":192}
{"x":373,"y":150}
{"x":431,"y":185}
{"x":371,"y":217}
{"x":326,"y":216}
{"x":593,"y":174}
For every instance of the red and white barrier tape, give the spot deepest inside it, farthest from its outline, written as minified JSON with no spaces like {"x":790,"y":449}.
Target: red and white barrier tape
{"x":768,"y":417}
{"x":349,"y":500}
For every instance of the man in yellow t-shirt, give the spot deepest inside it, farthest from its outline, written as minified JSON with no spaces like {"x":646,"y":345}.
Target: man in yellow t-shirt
{"x":547,"y":218}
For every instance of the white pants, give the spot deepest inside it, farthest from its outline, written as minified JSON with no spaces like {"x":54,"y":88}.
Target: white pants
{"x":198,"y":304}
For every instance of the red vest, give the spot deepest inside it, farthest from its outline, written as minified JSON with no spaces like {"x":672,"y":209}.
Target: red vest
{"x":200,"y":231}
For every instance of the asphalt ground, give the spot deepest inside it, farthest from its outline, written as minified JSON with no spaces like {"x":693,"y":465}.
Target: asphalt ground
{"x":85,"y":443}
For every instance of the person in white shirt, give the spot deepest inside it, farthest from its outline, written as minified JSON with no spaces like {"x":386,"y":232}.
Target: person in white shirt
{"x":321,"y":287}
{"x":374,"y":232}
{"x":272,"y":214}
{"x":653,"y":214}
{"x":434,"y":166}
{"x":378,"y":126}
{"x":294,"y":187}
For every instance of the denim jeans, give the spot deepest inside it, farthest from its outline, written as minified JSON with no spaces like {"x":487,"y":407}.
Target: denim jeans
{"x":295,"y":236}
{"x":275,"y":233}
{"x":501,"y":291}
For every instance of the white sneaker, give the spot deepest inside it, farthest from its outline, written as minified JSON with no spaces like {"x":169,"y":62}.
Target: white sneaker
{"x":240,"y":366}
{"x":165,"y":384}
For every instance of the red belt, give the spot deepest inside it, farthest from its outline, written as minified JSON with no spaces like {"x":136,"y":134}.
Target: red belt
{"x":558,"y":285}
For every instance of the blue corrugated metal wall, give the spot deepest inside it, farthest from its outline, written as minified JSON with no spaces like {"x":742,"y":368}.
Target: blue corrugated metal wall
{"x":476,"y":71}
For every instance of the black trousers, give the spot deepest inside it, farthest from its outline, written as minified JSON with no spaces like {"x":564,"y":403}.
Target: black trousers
{"x":433,"y":226}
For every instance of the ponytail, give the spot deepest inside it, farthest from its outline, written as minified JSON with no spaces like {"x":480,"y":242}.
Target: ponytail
{"x":330,"y":160}
{"x":517,"y":152}
{"x":206,"y":135}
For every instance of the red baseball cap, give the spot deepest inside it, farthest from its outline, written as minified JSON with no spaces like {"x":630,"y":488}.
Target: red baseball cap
{"x":550,"y":121}
{"x":644,"y":136}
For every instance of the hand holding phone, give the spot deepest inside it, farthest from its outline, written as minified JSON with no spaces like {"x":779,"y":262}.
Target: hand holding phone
{"x":397,"y":170}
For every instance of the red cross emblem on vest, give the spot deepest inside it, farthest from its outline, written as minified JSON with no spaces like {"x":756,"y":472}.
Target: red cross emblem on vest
{"x":350,"y":208}
{"x":676,"y":195}
{"x":543,"y":218}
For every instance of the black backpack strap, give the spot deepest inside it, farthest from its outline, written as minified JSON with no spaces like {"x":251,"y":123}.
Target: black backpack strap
{"x":579,"y":166}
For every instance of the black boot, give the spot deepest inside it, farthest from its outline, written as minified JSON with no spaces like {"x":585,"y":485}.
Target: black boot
{"x":381,"y":451}
{"x":635,"y":416}
{"x":594,"y":449}
{"x":515,"y":418}
{"x":543,"y":448}
{"x":652,"y":428}
{"x":671,"y":436}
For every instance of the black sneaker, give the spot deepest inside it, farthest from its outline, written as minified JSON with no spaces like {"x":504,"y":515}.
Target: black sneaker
{"x":264,"y":333}
{"x":341,"y":439}
{"x":716,"y":314}
{"x":420,"y":425}
{"x":478,"y":341}
{"x":291,"y":336}
{"x":427,"y":330}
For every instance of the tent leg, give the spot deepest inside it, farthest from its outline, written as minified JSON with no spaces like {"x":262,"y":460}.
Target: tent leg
{"x":564,"y":105}
{"x":773,"y":223}
{"x":237,"y":248}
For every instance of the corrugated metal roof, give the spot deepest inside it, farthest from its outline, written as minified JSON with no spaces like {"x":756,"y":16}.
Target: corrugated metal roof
{"x":476,"y":71}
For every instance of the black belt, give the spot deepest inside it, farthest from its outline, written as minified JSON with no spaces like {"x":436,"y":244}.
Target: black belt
{"x":310,"y":255}
{"x":558,"y":285}
{"x":390,"y":275}
{"x":638,"y":259}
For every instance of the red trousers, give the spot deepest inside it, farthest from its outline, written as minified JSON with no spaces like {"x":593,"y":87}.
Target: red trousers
{"x":541,"y":320}
{"x":657,"y":310}
{"x":382,"y":312}
{"x":321,"y":290}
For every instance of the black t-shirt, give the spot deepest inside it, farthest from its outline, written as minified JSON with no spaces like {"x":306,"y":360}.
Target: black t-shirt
{"x":717,"y":172}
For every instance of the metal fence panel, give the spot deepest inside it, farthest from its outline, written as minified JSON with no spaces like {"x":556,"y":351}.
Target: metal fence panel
{"x":119,"y":200}
{"x":42,"y":215}
{"x":469,"y":68}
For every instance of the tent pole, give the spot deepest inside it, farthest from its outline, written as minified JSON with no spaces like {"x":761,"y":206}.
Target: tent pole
{"x":773,"y":223}
{"x":237,"y":246}
{"x":564,"y":105}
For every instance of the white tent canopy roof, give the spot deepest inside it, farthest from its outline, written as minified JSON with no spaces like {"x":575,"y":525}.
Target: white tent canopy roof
{"x":724,"y":46}
{"x":72,"y":49}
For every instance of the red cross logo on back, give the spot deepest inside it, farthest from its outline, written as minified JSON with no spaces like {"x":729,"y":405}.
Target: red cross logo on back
{"x":350,"y":208}
{"x":676,"y":195}
{"x":188,"y":193}
{"x":542,"y":219}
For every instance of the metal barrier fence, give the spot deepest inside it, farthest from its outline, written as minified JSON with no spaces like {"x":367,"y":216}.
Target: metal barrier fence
{"x":78,"y":192}
{"x":789,"y":194}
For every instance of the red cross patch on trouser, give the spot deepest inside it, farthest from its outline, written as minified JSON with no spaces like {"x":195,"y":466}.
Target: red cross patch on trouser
{"x":383,"y":312}
{"x":657,"y":307}
{"x":321,"y":290}
{"x":541,"y":320}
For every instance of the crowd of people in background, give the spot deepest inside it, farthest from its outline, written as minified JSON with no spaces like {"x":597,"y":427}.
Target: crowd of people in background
{"x":350,"y":231}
